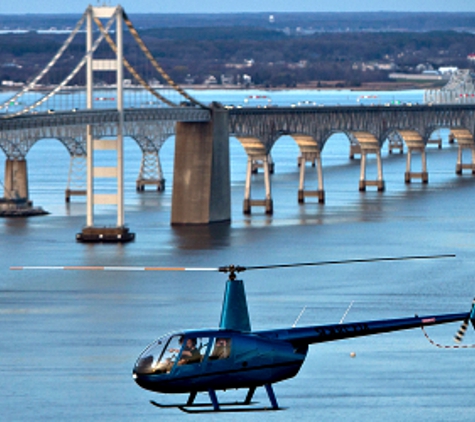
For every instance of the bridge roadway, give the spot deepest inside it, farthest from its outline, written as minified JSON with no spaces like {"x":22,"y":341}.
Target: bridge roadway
{"x":367,"y":128}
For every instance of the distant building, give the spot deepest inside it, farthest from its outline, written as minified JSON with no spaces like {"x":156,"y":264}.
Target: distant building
{"x":448,"y":70}
{"x":12,"y":64}
{"x":211,"y":80}
{"x":12,"y":84}
{"x":190,"y":80}
{"x":227,"y":79}
{"x":246,"y":79}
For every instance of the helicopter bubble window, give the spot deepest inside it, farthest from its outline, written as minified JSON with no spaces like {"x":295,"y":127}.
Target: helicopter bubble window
{"x":221,"y":348}
{"x":160,"y":356}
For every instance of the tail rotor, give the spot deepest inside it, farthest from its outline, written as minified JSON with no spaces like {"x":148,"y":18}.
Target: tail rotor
{"x":465,"y":323}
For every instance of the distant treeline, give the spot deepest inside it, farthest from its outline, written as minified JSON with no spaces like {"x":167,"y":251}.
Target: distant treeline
{"x":271,"y":57}
{"x":331,"y":21}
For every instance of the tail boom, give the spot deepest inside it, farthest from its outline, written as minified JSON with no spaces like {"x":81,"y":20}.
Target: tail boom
{"x":324,"y":333}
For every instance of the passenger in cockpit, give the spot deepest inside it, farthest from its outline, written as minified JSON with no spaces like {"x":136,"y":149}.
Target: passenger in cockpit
{"x":222,"y":349}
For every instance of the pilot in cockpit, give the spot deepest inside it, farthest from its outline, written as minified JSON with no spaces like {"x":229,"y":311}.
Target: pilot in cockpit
{"x":190,"y":353}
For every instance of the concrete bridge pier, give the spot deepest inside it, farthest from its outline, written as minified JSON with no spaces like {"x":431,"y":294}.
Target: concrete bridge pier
{"x":467,"y":166}
{"x":415,"y":143}
{"x":465,"y":142}
{"x":379,"y":182}
{"x":267,"y":202}
{"x":409,"y":174}
{"x":16,"y":179}
{"x":201,"y":182}
{"x":15,"y":201}
{"x":368,"y":145}
{"x":312,"y":157}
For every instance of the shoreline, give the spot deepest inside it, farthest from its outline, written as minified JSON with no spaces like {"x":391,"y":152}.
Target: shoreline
{"x":336,"y":86}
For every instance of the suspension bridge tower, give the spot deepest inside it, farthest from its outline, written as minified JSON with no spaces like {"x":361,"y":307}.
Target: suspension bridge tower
{"x":91,"y":232}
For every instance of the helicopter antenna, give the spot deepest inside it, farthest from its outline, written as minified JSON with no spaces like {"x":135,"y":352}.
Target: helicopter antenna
{"x":300,"y":315}
{"x":346,"y":312}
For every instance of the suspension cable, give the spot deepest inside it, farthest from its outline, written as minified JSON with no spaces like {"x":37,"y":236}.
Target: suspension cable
{"x":68,"y":78}
{"x":129,"y":67}
{"x":157,"y":67}
{"x":49,"y":65}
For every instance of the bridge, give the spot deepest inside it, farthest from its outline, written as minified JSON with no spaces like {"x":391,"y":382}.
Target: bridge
{"x":87,"y":116}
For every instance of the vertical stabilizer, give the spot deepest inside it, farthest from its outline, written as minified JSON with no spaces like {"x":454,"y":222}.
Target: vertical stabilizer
{"x":234,"y":315}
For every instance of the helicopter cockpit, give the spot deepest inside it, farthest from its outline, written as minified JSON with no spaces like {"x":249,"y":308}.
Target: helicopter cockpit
{"x":162,"y":355}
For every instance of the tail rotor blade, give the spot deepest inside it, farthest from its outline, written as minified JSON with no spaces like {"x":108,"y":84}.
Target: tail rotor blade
{"x":461,"y":331}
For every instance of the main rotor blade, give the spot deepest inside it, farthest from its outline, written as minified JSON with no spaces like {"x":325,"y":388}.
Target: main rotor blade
{"x":112,"y":268}
{"x":232,"y":269}
{"x":346,"y":261}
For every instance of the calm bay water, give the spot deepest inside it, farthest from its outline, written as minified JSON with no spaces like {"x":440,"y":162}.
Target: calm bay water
{"x":70,"y":339}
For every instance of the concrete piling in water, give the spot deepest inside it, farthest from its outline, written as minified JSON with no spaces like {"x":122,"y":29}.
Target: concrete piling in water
{"x":201,"y":181}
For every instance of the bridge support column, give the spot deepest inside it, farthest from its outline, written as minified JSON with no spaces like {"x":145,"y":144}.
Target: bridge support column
{"x":379,"y":182}
{"x":423,"y":175}
{"x":201,"y":181}
{"x":248,"y":202}
{"x":16,"y":179}
{"x":76,"y":177}
{"x":467,"y":166}
{"x":150,"y":172}
{"x":15,"y":201}
{"x":302,"y":193}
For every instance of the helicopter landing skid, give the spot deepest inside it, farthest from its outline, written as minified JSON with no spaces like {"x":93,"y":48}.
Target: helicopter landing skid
{"x":228,"y":410}
{"x":190,"y":406}
{"x":215,"y":406}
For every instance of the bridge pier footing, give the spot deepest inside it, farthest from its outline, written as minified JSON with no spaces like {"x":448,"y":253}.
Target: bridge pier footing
{"x":409,"y":174}
{"x":201,"y":181}
{"x":314,"y":159}
{"x":379,"y":182}
{"x":141,"y":183}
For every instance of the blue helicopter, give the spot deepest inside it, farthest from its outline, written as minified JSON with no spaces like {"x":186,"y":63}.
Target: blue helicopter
{"x":235,"y":357}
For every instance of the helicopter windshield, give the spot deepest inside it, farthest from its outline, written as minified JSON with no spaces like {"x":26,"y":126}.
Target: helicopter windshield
{"x":160,"y":356}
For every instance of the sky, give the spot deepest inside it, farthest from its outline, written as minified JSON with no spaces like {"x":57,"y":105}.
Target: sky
{"x":226,"y":6}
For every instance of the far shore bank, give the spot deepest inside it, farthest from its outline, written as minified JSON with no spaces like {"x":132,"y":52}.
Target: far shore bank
{"x":330,"y":86}
{"x":371,"y":86}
